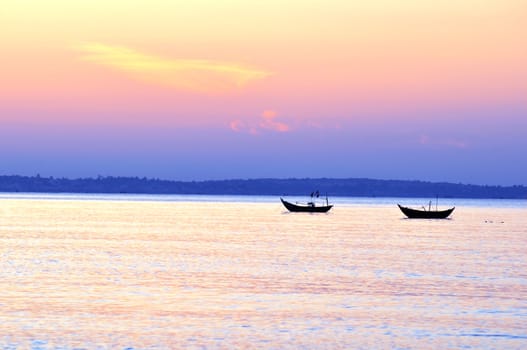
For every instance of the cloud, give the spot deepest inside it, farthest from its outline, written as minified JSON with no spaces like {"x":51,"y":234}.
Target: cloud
{"x":237,"y":125}
{"x":267,"y":121}
{"x":203,"y":76}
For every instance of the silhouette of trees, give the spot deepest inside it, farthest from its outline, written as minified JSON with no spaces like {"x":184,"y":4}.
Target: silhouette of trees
{"x":301,"y":187}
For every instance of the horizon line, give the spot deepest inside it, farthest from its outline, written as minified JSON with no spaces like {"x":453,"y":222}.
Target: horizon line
{"x":145,"y":178}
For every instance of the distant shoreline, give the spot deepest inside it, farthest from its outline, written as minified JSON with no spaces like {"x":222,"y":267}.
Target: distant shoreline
{"x":351,"y":187}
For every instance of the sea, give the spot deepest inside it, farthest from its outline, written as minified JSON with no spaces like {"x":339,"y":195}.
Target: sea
{"x":81,"y":271}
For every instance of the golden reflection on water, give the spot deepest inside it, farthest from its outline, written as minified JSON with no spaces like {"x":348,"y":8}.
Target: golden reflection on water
{"x":123,"y":274}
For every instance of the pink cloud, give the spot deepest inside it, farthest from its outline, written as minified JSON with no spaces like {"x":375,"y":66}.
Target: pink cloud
{"x":269,"y":114}
{"x":267,"y":121}
{"x":270,"y":123}
{"x":237,"y":125}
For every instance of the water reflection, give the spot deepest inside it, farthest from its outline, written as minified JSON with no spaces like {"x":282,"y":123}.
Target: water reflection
{"x":153,"y":274}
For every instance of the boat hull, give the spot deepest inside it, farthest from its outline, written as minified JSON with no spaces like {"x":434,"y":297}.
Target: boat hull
{"x":425,"y":214}
{"x":305,"y":208}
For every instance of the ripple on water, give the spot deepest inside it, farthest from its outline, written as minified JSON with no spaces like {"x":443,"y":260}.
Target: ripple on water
{"x":102,"y":274}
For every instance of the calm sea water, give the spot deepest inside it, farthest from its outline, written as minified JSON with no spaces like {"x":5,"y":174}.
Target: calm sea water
{"x":162,"y":272}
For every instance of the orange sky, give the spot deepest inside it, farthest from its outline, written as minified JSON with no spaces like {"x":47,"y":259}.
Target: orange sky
{"x":265,"y":66}
{"x":337,"y":51}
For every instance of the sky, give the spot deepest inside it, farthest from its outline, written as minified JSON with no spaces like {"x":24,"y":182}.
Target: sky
{"x":208,"y":89}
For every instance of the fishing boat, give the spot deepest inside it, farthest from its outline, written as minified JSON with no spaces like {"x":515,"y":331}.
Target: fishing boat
{"x":426,"y":214}
{"x":309,"y":207}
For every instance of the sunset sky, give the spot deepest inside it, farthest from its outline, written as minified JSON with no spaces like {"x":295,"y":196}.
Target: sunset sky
{"x":208,"y":89}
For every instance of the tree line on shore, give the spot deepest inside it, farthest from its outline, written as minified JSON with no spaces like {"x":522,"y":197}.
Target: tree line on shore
{"x":352,"y":187}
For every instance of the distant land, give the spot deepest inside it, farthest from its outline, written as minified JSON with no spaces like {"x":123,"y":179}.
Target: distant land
{"x":277,"y":187}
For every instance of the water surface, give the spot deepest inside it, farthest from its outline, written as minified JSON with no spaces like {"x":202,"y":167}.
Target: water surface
{"x":159,"y":272}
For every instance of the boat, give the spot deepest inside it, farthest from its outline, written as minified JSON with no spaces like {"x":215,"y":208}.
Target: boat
{"x":309,"y":207}
{"x":425,"y":214}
